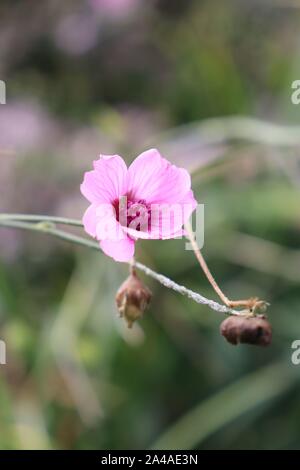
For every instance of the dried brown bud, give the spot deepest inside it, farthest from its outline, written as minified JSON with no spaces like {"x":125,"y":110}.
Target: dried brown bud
{"x":251,"y":330}
{"x":132,"y":299}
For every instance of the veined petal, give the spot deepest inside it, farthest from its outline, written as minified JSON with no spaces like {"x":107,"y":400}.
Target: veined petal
{"x":153,"y":179}
{"x":119,"y":250}
{"x":168,"y":219}
{"x":108,"y":180}
{"x":89,"y":220}
{"x":151,"y":183}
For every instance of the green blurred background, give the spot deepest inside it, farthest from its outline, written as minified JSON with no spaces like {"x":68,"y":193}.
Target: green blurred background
{"x":120,"y":76}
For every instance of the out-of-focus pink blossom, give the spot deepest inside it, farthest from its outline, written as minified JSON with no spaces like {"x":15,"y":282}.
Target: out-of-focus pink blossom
{"x":151,"y":199}
{"x":24,"y":126}
{"x":115,"y":8}
{"x":76,"y":34}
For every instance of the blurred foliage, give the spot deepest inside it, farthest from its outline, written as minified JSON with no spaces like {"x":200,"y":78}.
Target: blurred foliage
{"x":85,"y":77}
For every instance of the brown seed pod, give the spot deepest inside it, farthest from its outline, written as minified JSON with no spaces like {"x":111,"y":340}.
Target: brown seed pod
{"x":132,"y":299}
{"x":250,"y":330}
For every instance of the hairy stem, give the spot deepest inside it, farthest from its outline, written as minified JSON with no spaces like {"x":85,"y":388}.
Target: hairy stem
{"x":45,"y":224}
{"x":203,"y":264}
{"x":40,"y":218}
{"x":49,"y":228}
{"x":253,"y":305}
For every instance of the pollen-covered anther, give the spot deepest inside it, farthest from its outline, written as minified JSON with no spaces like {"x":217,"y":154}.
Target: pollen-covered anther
{"x":244,"y":329}
{"x":132,"y":299}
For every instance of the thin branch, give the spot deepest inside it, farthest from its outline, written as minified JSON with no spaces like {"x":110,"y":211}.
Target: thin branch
{"x":41,"y":218}
{"x":253,"y":305}
{"x":203,"y":264}
{"x":48,"y":227}
{"x":165,"y":281}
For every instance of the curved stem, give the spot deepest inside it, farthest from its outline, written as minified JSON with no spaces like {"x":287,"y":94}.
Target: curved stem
{"x":253,"y":305}
{"x":200,"y":299}
{"x":47,"y":226}
{"x":204,"y":266}
{"x":41,"y":218}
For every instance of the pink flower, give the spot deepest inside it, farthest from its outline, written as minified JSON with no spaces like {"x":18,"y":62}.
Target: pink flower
{"x":152,"y":199}
{"x":115,"y":8}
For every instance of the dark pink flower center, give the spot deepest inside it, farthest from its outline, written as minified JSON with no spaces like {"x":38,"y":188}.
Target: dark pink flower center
{"x":133,"y":214}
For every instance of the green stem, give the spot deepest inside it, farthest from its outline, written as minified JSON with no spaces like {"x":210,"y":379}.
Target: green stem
{"x":41,"y":218}
{"x":46,"y":227}
{"x":46,"y":224}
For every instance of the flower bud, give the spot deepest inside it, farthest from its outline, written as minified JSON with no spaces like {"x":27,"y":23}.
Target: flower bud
{"x":132,"y":299}
{"x":251,"y":330}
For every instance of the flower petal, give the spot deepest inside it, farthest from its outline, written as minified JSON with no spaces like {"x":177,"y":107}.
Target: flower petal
{"x":89,"y":220}
{"x":119,"y":250}
{"x":100,"y":222}
{"x":155,"y":180}
{"x":167,"y":219}
{"x":108,"y":180}
{"x":189,"y":204}
{"x":108,"y":228}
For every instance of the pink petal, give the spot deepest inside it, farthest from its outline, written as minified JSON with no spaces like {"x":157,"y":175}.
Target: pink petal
{"x":155,"y":180}
{"x":150,"y":179}
{"x":135,"y":234}
{"x":90,"y":220}
{"x":100,"y":222}
{"x":108,"y":180}
{"x":120,"y":250}
{"x":108,"y":228}
{"x":167,"y":220}
{"x":189,"y":203}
